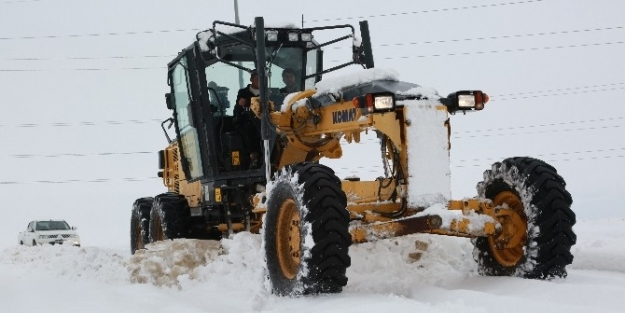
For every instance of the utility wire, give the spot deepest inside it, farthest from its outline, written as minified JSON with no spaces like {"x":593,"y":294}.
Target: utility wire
{"x":379,"y":45}
{"x":483,"y":6}
{"x":120,"y":57}
{"x":19,"y":1}
{"x":135,"y":179}
{"x":85,"y":69}
{"x":489,"y":131}
{"x":539,"y":132}
{"x":84,"y":123}
{"x":611,"y":119}
{"x":557,"y":90}
{"x":550,"y":155}
{"x":310,"y":21}
{"x":59,"y":155}
{"x":559,"y":94}
{"x":575,"y":31}
{"x":153,"y":120}
{"x":70,"y":181}
{"x":534,"y":49}
{"x":144,"y":32}
{"x":573,"y":159}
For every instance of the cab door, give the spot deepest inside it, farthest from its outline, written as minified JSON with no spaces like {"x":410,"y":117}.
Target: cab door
{"x":186,"y":103}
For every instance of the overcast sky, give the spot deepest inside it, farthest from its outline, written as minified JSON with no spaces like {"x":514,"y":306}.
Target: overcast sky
{"x":88,"y":78}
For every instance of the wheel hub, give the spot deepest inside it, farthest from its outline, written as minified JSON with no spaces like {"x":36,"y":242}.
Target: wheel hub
{"x":508,"y":246}
{"x":288,"y":239}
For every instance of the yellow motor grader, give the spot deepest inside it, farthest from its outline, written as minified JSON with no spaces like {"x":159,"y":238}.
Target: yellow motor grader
{"x":256,"y":167}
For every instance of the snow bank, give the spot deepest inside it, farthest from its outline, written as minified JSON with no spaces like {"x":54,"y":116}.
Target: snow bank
{"x":383,"y":276}
{"x":74,"y":263}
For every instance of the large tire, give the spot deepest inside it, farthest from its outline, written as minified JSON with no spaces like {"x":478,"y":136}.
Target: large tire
{"x":140,"y":223}
{"x":170,"y":217}
{"x":314,"y":207}
{"x":536,"y":194}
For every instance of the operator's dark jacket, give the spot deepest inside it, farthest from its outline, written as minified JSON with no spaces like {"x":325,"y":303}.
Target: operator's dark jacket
{"x":246,"y":121}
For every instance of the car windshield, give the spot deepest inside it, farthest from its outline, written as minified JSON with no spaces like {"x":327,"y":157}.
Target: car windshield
{"x":52,"y":225}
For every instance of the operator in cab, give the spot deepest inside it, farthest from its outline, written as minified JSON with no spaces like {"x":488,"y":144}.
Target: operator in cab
{"x":288,"y":77}
{"x":245,"y":120}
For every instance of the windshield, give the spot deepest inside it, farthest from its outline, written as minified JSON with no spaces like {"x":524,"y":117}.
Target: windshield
{"x":225,"y":81}
{"x":52,"y":225}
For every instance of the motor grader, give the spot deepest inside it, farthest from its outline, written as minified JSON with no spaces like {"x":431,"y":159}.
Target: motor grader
{"x":520,"y":222}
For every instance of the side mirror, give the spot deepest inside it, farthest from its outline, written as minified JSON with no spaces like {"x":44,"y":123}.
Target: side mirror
{"x":74,"y":228}
{"x":170,"y":104}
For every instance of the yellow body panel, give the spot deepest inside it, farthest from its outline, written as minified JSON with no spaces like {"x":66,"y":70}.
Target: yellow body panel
{"x":174,"y":178}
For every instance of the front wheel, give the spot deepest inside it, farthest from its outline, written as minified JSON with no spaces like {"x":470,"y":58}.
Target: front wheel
{"x":306,"y":235}
{"x":535,"y":211}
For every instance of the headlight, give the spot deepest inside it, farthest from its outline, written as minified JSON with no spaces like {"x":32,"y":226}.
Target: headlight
{"x":272,"y":35}
{"x":383,"y":102}
{"x":42,"y":236}
{"x":306,"y":37}
{"x":293,"y":36}
{"x":465,"y":100}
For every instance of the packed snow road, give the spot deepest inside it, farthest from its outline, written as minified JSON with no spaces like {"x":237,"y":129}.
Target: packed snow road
{"x":201,"y":276}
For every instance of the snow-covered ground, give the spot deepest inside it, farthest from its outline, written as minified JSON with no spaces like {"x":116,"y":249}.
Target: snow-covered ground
{"x":196,"y":276}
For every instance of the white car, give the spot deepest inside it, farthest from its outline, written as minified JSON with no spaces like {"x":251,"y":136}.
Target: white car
{"x":49,"y":232}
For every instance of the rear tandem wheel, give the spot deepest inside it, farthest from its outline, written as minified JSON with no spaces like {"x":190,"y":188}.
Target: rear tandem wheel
{"x":170,"y":217}
{"x":140,"y":223}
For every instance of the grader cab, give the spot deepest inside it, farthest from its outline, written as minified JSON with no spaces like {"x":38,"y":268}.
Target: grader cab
{"x":520,"y":221}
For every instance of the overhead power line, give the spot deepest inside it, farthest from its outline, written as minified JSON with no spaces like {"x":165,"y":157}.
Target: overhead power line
{"x":548,"y":158}
{"x":59,"y":155}
{"x":599,"y":120}
{"x":569,"y":156}
{"x":19,"y":1}
{"x":551,"y":33}
{"x":556,"y":90}
{"x":559,"y":94}
{"x":144,"y":32}
{"x":120,"y":57}
{"x":509,"y":95}
{"x":443,"y":10}
{"x":616,"y":152}
{"x":86,"y":69}
{"x":85,"y":123}
{"x":71,"y":181}
{"x":532,"y":49}
{"x":540,"y":131}
{"x":484,"y":6}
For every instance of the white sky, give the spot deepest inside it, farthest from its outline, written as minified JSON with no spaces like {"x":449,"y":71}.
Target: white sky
{"x":554,"y":69}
